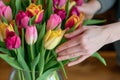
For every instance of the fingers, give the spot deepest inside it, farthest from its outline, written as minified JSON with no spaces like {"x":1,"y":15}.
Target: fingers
{"x":74,"y":33}
{"x":70,"y":50}
{"x":82,"y":58}
{"x":61,"y":58}
{"x":68,"y":44}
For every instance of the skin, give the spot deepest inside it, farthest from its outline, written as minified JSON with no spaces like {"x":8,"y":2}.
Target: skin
{"x":85,"y":41}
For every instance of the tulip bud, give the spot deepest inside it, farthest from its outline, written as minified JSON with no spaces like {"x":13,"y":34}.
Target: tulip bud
{"x":53,"y":21}
{"x":74,"y":21}
{"x":31,"y":35}
{"x":3,"y":28}
{"x":22,"y":19}
{"x":79,"y":2}
{"x":5,"y":11}
{"x":61,"y":13}
{"x":59,"y":3}
{"x":74,"y":11}
{"x":52,"y":38}
{"x":12,"y":40}
{"x":35,"y":10}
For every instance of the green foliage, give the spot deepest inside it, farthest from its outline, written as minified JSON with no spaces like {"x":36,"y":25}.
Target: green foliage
{"x":11,"y":61}
{"x":99,"y":57}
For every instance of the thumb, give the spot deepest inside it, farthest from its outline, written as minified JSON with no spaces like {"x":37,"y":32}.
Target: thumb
{"x":75,"y":33}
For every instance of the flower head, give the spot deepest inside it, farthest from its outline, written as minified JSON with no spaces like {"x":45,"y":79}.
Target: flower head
{"x":52,"y":38}
{"x":75,"y":11}
{"x":53,"y":21}
{"x":35,"y":10}
{"x":61,"y":13}
{"x":12,"y":40}
{"x":22,"y":19}
{"x":74,"y":21}
{"x":5,"y":11}
{"x":31,"y":35}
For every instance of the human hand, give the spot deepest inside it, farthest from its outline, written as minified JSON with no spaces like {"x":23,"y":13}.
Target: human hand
{"x":90,"y":8}
{"x":83,"y":43}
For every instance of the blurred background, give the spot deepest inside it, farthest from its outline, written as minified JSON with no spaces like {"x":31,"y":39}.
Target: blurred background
{"x":90,"y":69}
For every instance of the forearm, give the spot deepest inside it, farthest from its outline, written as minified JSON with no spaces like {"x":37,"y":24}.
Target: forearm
{"x":112,"y":32}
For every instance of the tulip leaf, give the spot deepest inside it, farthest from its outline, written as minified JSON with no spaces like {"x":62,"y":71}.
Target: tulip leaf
{"x":61,"y":64}
{"x":11,"y":61}
{"x":49,"y":10}
{"x":38,"y":2}
{"x":42,"y":59}
{"x":93,"y":21}
{"x":67,"y":8}
{"x":18,"y":5}
{"x":48,"y":72}
{"x":4,"y":20}
{"x":23,"y":63}
{"x":2,"y":44}
{"x":12,"y":5}
{"x":16,"y":28}
{"x":32,"y":20}
{"x":3,"y":50}
{"x":40,"y":37}
{"x":98,"y":56}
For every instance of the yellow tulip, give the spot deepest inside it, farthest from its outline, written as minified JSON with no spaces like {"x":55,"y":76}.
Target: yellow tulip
{"x":52,"y":38}
{"x":3,"y":28}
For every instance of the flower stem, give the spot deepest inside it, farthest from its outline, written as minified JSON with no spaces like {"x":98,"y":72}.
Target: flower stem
{"x":23,"y":39}
{"x":29,"y":1}
{"x":31,"y":51}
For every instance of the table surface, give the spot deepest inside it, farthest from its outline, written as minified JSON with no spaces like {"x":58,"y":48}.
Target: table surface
{"x":90,"y":69}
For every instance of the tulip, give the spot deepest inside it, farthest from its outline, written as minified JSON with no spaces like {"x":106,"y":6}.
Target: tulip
{"x":52,"y":38}
{"x":74,"y":11}
{"x":74,"y":21}
{"x":53,"y":21}
{"x":22,"y":19}
{"x":31,"y":35}
{"x":59,"y":3}
{"x":35,"y":10}
{"x":5,"y":11}
{"x":61,"y":13}
{"x":12,"y":40}
{"x":3,"y":28}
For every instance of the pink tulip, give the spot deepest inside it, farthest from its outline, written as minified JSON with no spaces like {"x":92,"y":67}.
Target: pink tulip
{"x":5,"y":11}
{"x":22,"y":19}
{"x":53,"y":21}
{"x":74,"y":11}
{"x":31,"y":35}
{"x":61,"y":13}
{"x":59,"y":3}
{"x":12,"y":40}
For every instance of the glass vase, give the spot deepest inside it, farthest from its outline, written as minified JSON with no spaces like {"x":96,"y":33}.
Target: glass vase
{"x":22,"y":75}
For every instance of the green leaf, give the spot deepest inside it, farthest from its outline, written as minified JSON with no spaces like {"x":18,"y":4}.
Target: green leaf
{"x":32,"y":20}
{"x":16,"y":28}
{"x":2,"y":44}
{"x":12,"y":5}
{"x":18,"y":5}
{"x":49,"y":9}
{"x":98,"y":56}
{"x":67,"y":9}
{"x":38,"y":2}
{"x":60,"y":62}
{"x":4,"y":20}
{"x":22,"y":62}
{"x":40,"y":37}
{"x":3,"y":50}
{"x":93,"y":21}
{"x":11,"y":61}
{"x":44,"y":76}
{"x":42,"y":60}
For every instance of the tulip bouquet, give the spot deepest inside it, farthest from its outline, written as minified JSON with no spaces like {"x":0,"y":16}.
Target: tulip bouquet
{"x":30,"y":30}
